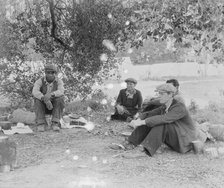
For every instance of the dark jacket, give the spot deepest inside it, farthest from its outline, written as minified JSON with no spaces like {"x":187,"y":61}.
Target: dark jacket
{"x":177,"y":116}
{"x":132,"y":105}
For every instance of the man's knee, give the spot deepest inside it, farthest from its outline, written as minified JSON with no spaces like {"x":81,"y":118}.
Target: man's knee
{"x":58,"y":101}
{"x":38,"y":102}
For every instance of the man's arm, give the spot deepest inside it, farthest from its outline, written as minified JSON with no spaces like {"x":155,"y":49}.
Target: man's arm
{"x":139,"y":100}
{"x":154,"y":112}
{"x":176,"y":112}
{"x":119,"y":99}
{"x":36,"y":89}
{"x":60,"y":91}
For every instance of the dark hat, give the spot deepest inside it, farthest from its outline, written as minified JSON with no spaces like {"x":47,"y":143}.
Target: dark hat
{"x":50,"y":67}
{"x":166,"y":88}
{"x":131,"y":80}
{"x":174,"y":82}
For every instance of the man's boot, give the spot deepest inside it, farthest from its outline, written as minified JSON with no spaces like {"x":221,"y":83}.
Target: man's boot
{"x":41,"y":128}
{"x":55,"y":126}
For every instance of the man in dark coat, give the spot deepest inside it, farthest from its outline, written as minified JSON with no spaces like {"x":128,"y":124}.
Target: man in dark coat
{"x":150,"y":104}
{"x":48,"y":93}
{"x":170,"y":124}
{"x":128,"y":103}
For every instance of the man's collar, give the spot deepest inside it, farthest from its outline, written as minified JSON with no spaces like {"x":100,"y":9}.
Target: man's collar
{"x":45,"y":80}
{"x":168,"y":104}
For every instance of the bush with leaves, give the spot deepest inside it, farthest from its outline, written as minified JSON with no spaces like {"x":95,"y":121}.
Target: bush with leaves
{"x":71,"y":34}
{"x":67,"y":33}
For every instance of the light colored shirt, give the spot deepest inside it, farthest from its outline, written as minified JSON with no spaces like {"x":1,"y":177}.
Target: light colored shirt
{"x":38,"y":84}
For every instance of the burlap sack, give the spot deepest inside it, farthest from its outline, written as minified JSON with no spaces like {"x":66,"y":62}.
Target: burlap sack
{"x":217,"y":131}
{"x":23,"y":116}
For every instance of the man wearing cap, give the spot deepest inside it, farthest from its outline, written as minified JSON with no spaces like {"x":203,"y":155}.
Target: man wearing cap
{"x":152,"y":103}
{"x":128,"y":103}
{"x":170,"y":124}
{"x":48,"y":93}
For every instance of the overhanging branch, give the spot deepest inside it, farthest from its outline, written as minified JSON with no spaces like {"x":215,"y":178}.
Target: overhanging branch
{"x":54,"y":25}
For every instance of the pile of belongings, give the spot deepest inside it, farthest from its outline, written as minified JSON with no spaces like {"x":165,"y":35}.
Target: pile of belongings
{"x":15,"y":123}
{"x":20,"y":128}
{"x":75,"y":121}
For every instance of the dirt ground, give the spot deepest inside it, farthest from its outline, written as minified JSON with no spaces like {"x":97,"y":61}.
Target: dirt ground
{"x":77,"y":158}
{"x":44,"y":162}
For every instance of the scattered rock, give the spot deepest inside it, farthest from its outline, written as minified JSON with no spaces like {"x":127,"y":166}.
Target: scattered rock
{"x":217,"y":131}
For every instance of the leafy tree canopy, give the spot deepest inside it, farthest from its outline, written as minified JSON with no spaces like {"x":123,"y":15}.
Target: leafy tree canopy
{"x":74,"y":33}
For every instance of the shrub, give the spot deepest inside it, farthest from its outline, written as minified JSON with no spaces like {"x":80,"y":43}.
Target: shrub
{"x":213,"y":113}
{"x":193,"y":107}
{"x":94,"y":101}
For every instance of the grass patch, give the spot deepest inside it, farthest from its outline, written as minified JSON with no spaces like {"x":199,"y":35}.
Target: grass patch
{"x":213,"y":113}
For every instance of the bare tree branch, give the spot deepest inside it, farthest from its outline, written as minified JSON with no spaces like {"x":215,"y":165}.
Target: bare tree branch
{"x":54,"y":25}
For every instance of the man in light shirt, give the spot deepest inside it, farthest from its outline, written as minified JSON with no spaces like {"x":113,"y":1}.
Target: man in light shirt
{"x":48,"y":92}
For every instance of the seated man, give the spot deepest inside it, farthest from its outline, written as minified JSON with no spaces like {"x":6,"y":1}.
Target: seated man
{"x":150,"y":104}
{"x":170,"y":124}
{"x":48,"y":92}
{"x":128,"y":103}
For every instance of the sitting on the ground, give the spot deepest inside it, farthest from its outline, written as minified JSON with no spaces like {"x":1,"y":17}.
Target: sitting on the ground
{"x":48,"y":93}
{"x":128,"y":103}
{"x":152,"y":103}
{"x":170,"y":124}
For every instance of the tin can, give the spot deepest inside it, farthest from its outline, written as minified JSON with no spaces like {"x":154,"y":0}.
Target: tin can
{"x":198,"y":146}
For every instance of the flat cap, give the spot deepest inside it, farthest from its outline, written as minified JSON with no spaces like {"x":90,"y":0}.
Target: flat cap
{"x":50,"y":67}
{"x":131,"y":80}
{"x":168,"y":87}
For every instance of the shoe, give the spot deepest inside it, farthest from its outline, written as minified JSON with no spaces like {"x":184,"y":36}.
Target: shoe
{"x":55,"y":126}
{"x":113,"y":117}
{"x":147,"y":152}
{"x":123,"y":146}
{"x":128,"y":145}
{"x":41,"y":128}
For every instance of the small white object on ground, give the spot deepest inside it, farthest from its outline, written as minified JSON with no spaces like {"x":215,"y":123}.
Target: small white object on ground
{"x":130,"y":50}
{"x":109,"y":15}
{"x":104,"y":161}
{"x":75,"y":157}
{"x":94,"y":158}
{"x":67,"y":151}
{"x":108,"y":118}
{"x":127,"y":22}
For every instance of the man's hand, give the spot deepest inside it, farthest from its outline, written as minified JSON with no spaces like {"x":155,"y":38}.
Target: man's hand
{"x":46,"y":97}
{"x":137,"y":123}
{"x":146,"y":101}
{"x":49,"y":105}
{"x":136,"y":116}
{"x":120,"y":109}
